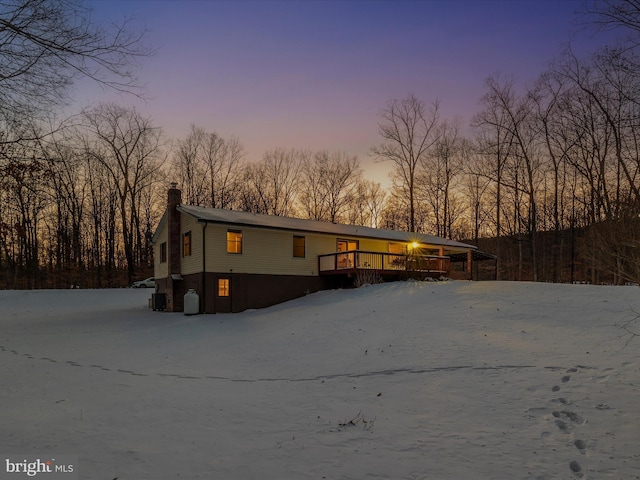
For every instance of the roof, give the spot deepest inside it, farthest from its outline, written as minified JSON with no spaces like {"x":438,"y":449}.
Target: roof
{"x":477,"y":256}
{"x":233,"y":217}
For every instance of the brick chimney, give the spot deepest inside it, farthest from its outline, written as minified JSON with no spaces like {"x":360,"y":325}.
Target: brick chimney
{"x":175,"y":295}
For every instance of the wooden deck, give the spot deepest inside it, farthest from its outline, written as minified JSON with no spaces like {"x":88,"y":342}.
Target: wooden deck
{"x":386,"y":264}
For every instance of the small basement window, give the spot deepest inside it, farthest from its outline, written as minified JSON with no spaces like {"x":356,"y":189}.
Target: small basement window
{"x":223,"y":287}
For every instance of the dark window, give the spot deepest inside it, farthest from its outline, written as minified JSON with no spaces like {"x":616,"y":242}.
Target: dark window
{"x":298,"y":246}
{"x":186,"y":244}
{"x":163,"y":252}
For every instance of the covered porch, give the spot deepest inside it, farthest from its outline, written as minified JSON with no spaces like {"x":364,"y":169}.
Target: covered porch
{"x":385,"y":264}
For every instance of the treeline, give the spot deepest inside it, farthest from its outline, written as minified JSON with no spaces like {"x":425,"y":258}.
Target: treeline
{"x":78,"y":207}
{"x":545,"y":177}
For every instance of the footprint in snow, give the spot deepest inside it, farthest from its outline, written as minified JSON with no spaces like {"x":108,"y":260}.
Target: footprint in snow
{"x":563,"y":426}
{"x":576,"y":469}
{"x":581,"y":445}
{"x":567,"y":415}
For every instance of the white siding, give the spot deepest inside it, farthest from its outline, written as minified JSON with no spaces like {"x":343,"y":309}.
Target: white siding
{"x":160,"y":270}
{"x":193,"y":262}
{"x":264,"y":251}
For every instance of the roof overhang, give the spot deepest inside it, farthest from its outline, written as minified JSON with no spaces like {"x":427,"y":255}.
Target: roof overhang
{"x":254,"y":220}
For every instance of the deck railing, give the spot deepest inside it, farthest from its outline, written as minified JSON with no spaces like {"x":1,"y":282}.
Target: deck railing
{"x":384,"y":262}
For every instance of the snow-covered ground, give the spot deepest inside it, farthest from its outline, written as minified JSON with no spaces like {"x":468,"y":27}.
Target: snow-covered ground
{"x":451,"y":380}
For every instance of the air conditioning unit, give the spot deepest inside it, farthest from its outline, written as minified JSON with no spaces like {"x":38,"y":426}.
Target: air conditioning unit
{"x":158,"y":301}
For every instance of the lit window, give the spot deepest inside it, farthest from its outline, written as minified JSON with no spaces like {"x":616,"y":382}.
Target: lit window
{"x":186,"y":244}
{"x":398,"y":248}
{"x":223,"y":287}
{"x":163,"y":252}
{"x":234,"y":241}
{"x":298,"y":246}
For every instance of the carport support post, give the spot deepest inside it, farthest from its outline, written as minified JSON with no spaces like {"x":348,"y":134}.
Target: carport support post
{"x":470,"y":264}
{"x":174,"y":198}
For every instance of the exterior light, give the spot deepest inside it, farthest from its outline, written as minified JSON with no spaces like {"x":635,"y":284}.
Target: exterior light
{"x":415,"y":245}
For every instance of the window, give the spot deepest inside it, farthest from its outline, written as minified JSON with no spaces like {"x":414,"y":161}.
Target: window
{"x":298,"y":246}
{"x":223,"y":287}
{"x":234,"y":241}
{"x":163,"y":252}
{"x":399,"y":248}
{"x":346,"y":260}
{"x":186,"y":244}
{"x":345,"y":245}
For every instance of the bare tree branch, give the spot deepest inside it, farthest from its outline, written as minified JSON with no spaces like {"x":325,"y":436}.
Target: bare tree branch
{"x":47,"y":44}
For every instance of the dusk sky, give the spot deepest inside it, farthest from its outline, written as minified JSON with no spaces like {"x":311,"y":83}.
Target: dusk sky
{"x":316,"y":74}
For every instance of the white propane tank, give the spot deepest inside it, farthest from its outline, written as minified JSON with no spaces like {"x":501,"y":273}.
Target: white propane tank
{"x":191,"y":302}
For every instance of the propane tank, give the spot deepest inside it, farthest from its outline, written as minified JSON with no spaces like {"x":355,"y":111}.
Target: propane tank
{"x":191,"y":302}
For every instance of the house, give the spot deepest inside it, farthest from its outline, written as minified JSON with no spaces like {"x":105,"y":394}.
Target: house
{"x":239,"y":260}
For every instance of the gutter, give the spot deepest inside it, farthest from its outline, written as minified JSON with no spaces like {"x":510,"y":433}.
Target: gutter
{"x":204,"y":267}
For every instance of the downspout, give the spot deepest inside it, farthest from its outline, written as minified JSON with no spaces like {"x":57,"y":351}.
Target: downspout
{"x":174,"y":266}
{"x":204,"y":267}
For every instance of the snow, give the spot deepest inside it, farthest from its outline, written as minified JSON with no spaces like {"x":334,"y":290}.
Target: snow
{"x":408,"y":380}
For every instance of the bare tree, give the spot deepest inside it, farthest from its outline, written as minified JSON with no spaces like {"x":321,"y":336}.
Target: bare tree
{"x":437,"y":175}
{"x":271,"y":186}
{"x":511,"y":117}
{"x":102,"y":217}
{"x":617,"y":14}
{"x":612,"y":90}
{"x":24,"y":177}
{"x":409,"y":130}
{"x":67,"y":189}
{"x":208,"y":167}
{"x":224,"y":159}
{"x":328,"y":185}
{"x":128,"y":146}
{"x":495,"y":143}
{"x":602,"y":113}
{"x":367,"y":204}
{"x":46,"y":44}
{"x":312,"y":195}
{"x":189,"y":168}
{"x":395,"y":212}
{"x":477,"y":187}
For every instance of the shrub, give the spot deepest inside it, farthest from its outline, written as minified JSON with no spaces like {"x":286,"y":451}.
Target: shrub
{"x":366,"y":277}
